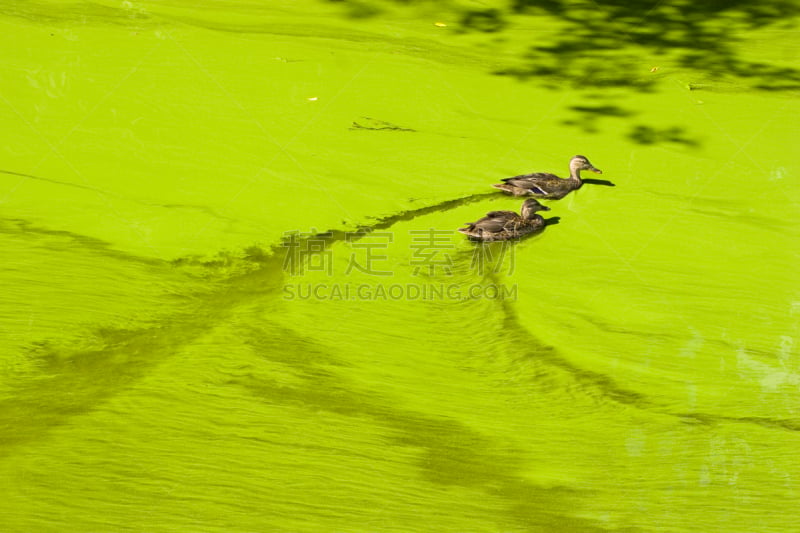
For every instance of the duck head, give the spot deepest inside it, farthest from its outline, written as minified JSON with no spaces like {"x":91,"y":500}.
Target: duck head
{"x":578,"y":163}
{"x":531,"y":206}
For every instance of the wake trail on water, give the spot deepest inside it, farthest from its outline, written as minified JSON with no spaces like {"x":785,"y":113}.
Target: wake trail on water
{"x":72,"y":382}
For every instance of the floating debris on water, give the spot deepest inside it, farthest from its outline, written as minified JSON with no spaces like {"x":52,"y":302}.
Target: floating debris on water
{"x":375,"y":124}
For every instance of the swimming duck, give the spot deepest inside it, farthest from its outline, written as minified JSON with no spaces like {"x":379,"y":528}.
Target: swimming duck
{"x":505,"y":225}
{"x":544,"y":185}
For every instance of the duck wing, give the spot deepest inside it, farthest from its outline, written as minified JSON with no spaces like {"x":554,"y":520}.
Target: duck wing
{"x":501,"y":214}
{"x":496,"y":224}
{"x":490,"y":225}
{"x":539,"y":182}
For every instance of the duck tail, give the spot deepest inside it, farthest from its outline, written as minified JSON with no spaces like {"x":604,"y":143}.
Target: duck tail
{"x":505,"y":187}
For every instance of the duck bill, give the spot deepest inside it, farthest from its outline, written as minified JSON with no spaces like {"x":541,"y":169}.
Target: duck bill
{"x":596,"y":170}
{"x":544,"y":208}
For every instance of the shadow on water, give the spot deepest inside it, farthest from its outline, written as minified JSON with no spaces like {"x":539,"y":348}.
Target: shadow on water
{"x":411,"y":214}
{"x":605,"y":49}
{"x":24,"y":228}
{"x":552,"y":221}
{"x":592,"y":181}
{"x":602,"y":43}
{"x":451,"y":453}
{"x":74,"y":382}
{"x":648,"y":135}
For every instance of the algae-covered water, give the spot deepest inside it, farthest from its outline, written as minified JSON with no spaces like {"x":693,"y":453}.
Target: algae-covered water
{"x":234,"y":298}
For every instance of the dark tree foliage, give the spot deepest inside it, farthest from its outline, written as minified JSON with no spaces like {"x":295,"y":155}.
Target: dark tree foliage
{"x":607,"y":44}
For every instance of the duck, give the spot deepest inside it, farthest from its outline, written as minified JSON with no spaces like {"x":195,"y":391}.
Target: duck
{"x":544,"y":185}
{"x":506,"y":225}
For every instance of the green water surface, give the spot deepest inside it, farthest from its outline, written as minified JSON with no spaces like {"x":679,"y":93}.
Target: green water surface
{"x":163,"y":367}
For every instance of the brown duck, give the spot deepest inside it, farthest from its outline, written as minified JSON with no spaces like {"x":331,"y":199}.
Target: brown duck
{"x":544,"y":185}
{"x":505,"y":225}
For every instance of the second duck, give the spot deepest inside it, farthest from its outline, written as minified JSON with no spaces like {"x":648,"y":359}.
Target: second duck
{"x":506,"y":225}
